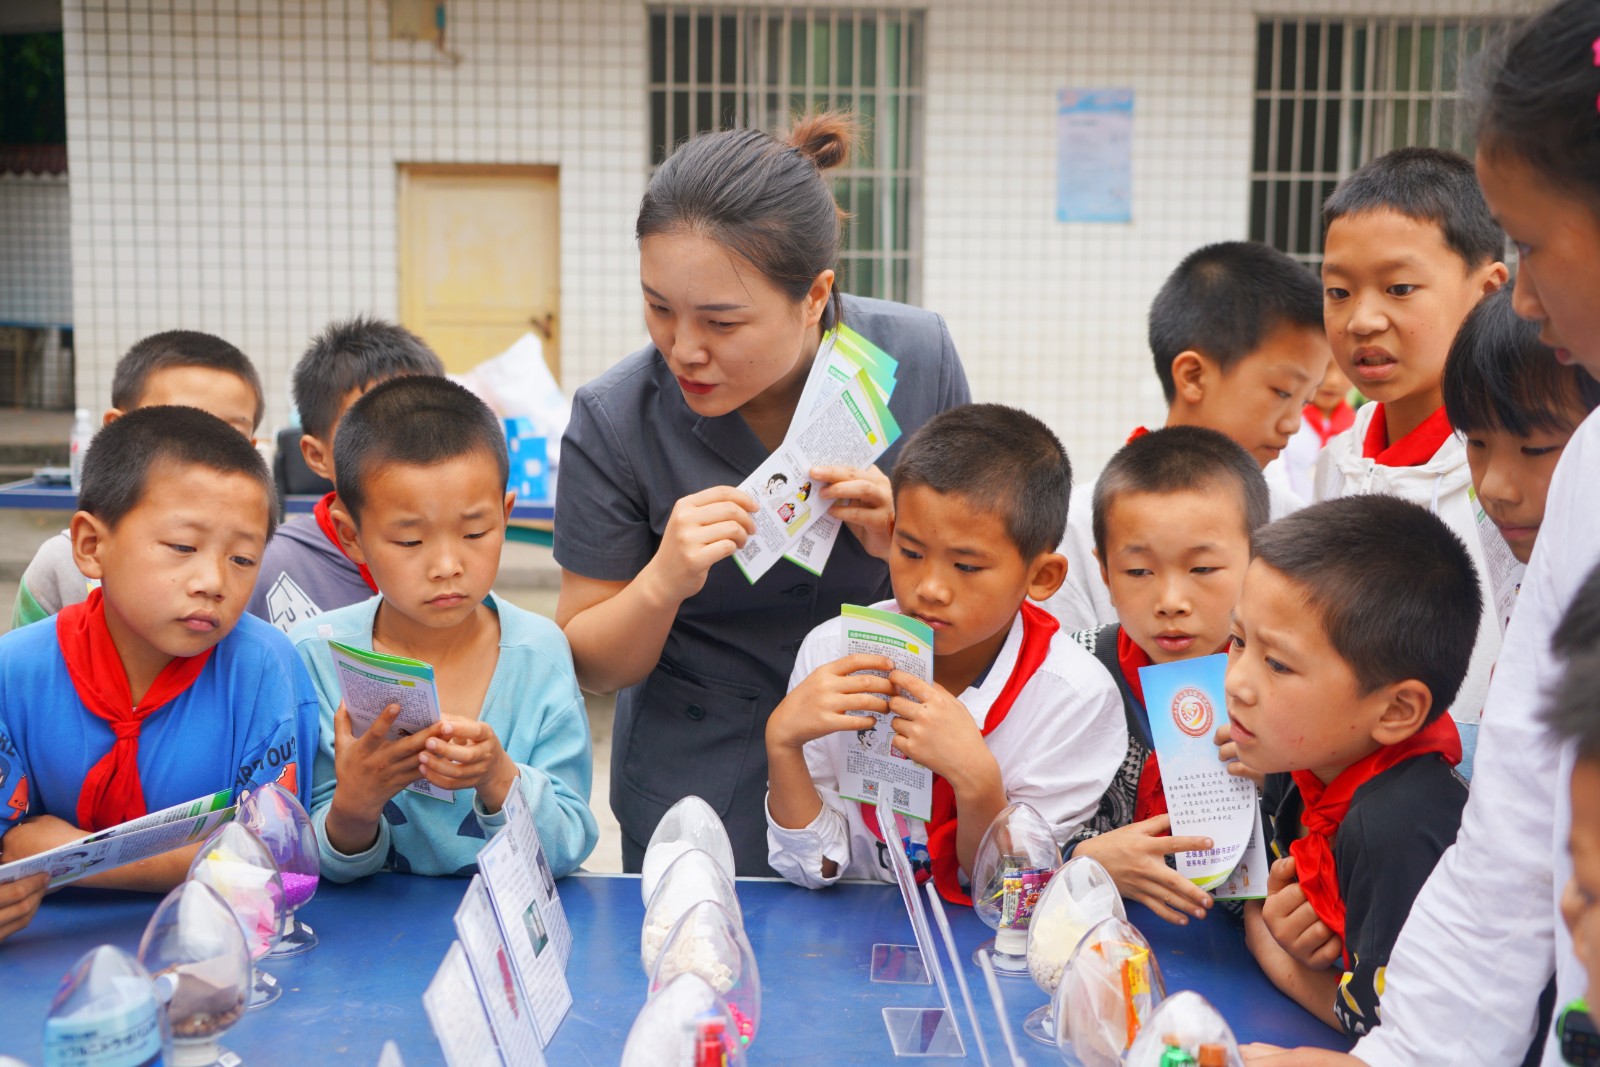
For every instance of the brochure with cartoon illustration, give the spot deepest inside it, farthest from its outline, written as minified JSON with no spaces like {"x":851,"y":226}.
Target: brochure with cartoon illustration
{"x":499,"y":986}
{"x":850,"y":430}
{"x":1186,"y":704}
{"x":129,"y":842}
{"x":874,"y":772}
{"x":370,"y":681}
{"x":518,"y":894}
{"x":844,"y":353}
{"x":456,"y":1014}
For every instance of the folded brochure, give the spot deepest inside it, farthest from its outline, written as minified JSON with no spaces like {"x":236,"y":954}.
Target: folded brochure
{"x":1186,"y":703}
{"x":129,"y":842}
{"x":370,"y":681}
{"x":874,"y":772}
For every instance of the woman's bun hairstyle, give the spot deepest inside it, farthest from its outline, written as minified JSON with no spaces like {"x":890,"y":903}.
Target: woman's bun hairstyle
{"x":824,"y":137}
{"x":764,"y":198}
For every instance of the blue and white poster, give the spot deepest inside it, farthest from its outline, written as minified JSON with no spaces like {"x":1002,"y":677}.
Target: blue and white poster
{"x":1094,"y":155}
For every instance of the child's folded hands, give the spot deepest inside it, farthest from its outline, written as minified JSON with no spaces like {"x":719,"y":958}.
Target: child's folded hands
{"x":466,"y":754}
{"x":1293,"y":923}
{"x":371,"y":769}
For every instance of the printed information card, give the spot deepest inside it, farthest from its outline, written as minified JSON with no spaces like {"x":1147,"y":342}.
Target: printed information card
{"x":874,"y":772}
{"x":510,"y":866}
{"x":499,"y":988}
{"x":1186,"y":704}
{"x":456,"y":1014}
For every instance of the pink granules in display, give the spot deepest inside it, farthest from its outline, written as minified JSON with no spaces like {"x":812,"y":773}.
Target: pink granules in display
{"x":298,"y":888}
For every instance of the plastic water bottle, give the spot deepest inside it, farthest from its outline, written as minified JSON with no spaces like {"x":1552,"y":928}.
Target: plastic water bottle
{"x":106,"y":1015}
{"x":82,"y":434}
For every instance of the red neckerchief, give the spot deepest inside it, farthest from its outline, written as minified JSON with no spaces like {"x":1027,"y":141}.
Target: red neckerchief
{"x":112,"y":792}
{"x":1138,"y":432}
{"x":1324,"y":808}
{"x":1412,"y":450}
{"x":1038,"y":627}
{"x":1340,"y":419}
{"x":1150,"y":799}
{"x":325,"y":522}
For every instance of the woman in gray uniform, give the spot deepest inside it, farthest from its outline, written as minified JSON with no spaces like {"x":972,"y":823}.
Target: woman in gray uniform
{"x":738,"y":251}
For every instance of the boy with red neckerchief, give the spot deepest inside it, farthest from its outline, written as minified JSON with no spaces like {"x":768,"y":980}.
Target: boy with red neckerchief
{"x":1173,"y":515}
{"x":981,"y":496}
{"x":156,"y":690}
{"x":1341,"y":668}
{"x":1410,"y":250}
{"x":306,"y":571}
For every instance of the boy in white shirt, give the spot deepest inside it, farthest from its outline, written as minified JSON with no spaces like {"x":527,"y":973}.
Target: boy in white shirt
{"x":1410,"y":249}
{"x":1237,"y":337}
{"x":981,"y":495}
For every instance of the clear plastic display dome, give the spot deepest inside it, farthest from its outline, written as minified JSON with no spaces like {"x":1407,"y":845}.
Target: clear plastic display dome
{"x":709,"y":942}
{"x":196,"y":952}
{"x":1185,"y":1021}
{"x":106,"y":997}
{"x":235,"y":863}
{"x":1015,"y":860}
{"x":690,"y":823}
{"x":1079,"y":897}
{"x":686,"y":1023}
{"x":1111,"y":986}
{"x":274,"y":815}
{"x":694,"y":876}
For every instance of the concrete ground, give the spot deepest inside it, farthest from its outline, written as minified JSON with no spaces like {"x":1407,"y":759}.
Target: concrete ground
{"x":529,"y":579}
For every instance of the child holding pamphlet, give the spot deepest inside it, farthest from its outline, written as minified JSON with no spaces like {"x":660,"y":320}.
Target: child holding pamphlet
{"x":421,"y":466}
{"x":157,"y":690}
{"x":1342,"y":666}
{"x":980,"y":496}
{"x":1173,"y":514}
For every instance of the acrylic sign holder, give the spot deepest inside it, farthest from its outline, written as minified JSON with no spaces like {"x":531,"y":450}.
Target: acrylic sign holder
{"x":937,"y":907}
{"x":986,"y":962}
{"x":916,"y":1031}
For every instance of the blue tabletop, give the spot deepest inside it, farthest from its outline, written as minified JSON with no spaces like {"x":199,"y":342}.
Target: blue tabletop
{"x":382,"y":940}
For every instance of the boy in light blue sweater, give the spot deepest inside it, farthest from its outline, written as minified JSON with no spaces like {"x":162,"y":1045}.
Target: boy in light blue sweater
{"x":421,"y":464}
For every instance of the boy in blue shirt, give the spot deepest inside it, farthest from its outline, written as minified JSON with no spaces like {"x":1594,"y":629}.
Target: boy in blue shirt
{"x":157,"y":690}
{"x":421,"y":466}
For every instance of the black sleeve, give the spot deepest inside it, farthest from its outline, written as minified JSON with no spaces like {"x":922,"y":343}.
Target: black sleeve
{"x":1385,"y":850}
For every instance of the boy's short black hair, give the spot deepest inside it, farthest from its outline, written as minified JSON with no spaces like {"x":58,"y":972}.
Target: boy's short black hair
{"x":180,"y":348}
{"x":1428,"y":185}
{"x":1499,"y":377}
{"x":998,"y":459}
{"x":1224,"y":300}
{"x":1180,"y":459}
{"x":116,"y":470}
{"x":1394,"y":588}
{"x":415,"y":419}
{"x":352,"y":354}
{"x":1573,"y":708}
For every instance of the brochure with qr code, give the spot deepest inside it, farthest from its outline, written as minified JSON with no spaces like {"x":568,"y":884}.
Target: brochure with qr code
{"x":138,"y":839}
{"x":1186,"y":704}
{"x":874,"y":771}
{"x":370,"y":681}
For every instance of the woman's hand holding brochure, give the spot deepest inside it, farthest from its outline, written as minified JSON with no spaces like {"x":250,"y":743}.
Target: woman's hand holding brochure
{"x":866,"y":504}
{"x":704,"y":529}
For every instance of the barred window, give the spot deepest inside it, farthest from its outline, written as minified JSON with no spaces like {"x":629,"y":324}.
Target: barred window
{"x":1332,"y":93}
{"x":716,"y":67}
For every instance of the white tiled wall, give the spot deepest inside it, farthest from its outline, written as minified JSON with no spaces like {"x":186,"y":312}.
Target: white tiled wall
{"x":233,"y":169}
{"x":35,"y":261}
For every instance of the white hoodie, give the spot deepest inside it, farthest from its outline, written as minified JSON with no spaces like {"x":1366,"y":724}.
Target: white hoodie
{"x":1440,"y":485}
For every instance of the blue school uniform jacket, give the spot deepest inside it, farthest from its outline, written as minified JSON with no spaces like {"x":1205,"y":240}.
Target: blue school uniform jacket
{"x":249,"y":717}
{"x":533,"y":706}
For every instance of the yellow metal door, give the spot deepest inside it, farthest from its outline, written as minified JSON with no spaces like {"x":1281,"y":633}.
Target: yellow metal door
{"x":480,"y":259}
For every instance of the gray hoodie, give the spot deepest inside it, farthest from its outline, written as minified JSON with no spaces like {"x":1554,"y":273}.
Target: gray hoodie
{"x":303,"y":574}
